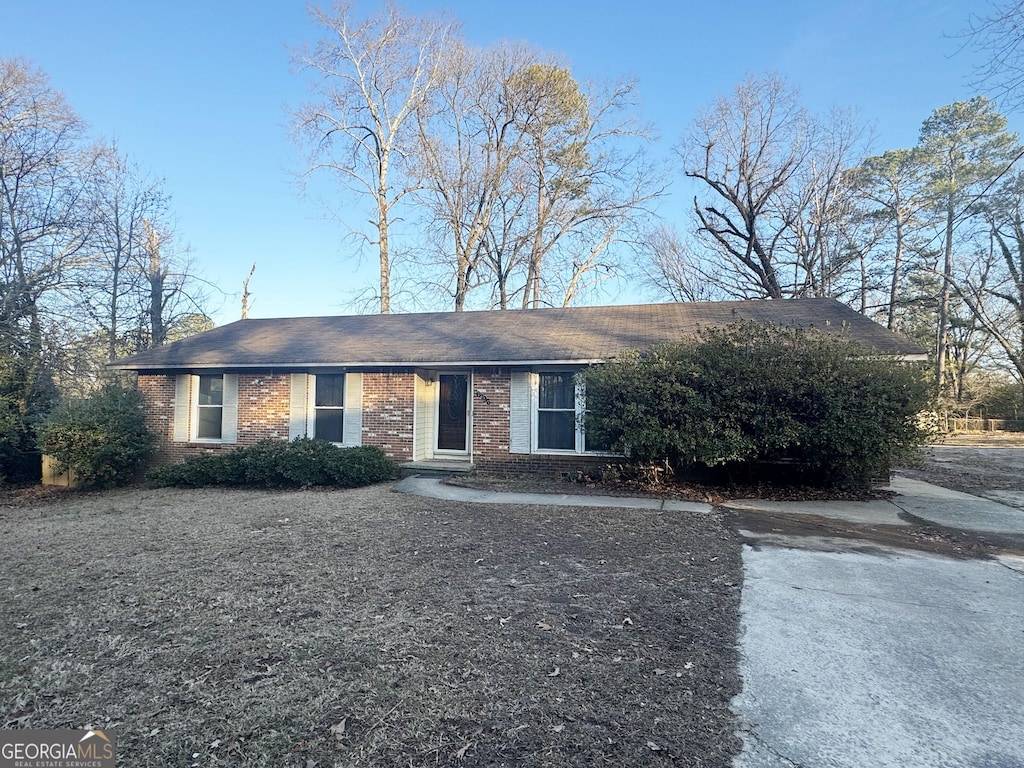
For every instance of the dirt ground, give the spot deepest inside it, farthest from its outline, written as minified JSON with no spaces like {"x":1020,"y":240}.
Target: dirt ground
{"x":969,"y":463}
{"x":967,"y":467}
{"x":369,"y":628}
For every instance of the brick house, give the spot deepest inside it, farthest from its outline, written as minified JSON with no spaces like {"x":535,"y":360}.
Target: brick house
{"x":494,"y":389}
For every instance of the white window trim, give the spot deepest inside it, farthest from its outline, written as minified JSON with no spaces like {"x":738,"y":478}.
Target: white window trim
{"x":580,"y":413}
{"x":311,"y":405}
{"x":303,"y":410}
{"x":228,"y":411}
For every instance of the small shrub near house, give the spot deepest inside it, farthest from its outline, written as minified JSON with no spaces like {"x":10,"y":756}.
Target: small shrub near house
{"x":103,"y":440}
{"x":275,"y":464}
{"x":751,"y":398}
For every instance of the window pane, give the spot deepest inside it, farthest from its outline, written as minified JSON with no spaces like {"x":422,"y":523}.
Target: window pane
{"x":557,"y":390}
{"x":330,"y":390}
{"x":329,"y":423}
{"x":211,"y":390}
{"x":556,"y":430}
{"x":209,"y":422}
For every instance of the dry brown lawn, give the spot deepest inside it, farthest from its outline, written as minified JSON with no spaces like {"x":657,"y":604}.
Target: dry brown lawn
{"x":369,"y":628}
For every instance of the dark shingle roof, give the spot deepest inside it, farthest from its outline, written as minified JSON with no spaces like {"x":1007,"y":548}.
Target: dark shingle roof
{"x":496,"y":337}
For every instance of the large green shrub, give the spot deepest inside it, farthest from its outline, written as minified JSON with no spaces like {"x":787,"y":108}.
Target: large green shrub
{"x":751,"y":395}
{"x":276,"y":464}
{"x":22,"y":405}
{"x":103,"y":440}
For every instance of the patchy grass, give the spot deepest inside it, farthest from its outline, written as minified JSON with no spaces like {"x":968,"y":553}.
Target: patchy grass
{"x":366,"y":628}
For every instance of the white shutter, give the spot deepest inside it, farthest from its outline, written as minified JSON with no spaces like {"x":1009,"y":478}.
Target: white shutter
{"x":353,"y":423}
{"x":297,"y":406}
{"x":520,"y":413}
{"x":182,"y":388}
{"x":229,"y":414}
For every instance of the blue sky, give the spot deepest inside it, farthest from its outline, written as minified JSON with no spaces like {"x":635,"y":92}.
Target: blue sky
{"x":197,"y":93}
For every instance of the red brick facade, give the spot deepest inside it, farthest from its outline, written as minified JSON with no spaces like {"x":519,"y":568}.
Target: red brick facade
{"x":263,"y":404}
{"x":388,"y":406}
{"x":158,"y":392}
{"x":388,"y":409}
{"x":491,"y":414}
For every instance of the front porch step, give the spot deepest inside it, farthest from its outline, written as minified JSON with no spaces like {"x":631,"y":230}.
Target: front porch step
{"x":435,"y":467}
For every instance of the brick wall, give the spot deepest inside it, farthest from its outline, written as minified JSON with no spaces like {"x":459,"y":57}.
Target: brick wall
{"x":263,"y":405}
{"x":540,"y":464}
{"x":490,"y":414}
{"x":264,"y":402}
{"x":158,"y":393}
{"x":491,"y":398}
{"x":388,"y":406}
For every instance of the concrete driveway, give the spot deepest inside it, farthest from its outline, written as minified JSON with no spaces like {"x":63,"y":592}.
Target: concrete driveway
{"x":889,"y":658}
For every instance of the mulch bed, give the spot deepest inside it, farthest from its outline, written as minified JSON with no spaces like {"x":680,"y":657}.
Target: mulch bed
{"x":367,"y":628}
{"x":673,"y":488}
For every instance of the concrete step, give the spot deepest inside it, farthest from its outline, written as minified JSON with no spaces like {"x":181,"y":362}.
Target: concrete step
{"x":435,"y":467}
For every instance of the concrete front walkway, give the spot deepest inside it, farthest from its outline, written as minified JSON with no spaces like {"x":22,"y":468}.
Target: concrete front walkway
{"x":923,"y":500}
{"x":436,"y":488}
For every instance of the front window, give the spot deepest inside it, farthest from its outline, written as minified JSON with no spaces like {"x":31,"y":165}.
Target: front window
{"x":556,"y":412}
{"x":329,"y":408}
{"x":210,"y":408}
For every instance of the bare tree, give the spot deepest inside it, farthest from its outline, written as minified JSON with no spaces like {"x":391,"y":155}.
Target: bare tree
{"x":992,"y":287}
{"x":468,"y":149}
{"x":673,"y":268}
{"x":998,"y":35}
{"x":174,"y":299}
{"x":44,"y":226}
{"x":587,"y":174}
{"x":745,"y":151}
{"x":245,"y":293}
{"x":123,"y":199}
{"x":773,"y":196}
{"x":820,"y":206}
{"x":530,"y":179}
{"x":369,"y":79}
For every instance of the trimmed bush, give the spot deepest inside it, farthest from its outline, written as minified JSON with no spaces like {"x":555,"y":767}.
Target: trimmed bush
{"x":103,"y":439}
{"x":301,"y":463}
{"x":752,"y":395}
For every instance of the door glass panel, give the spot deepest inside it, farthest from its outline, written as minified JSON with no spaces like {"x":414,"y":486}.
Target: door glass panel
{"x":452,"y":407}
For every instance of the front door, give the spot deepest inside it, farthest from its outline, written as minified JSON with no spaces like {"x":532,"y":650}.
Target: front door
{"x":452,"y":412}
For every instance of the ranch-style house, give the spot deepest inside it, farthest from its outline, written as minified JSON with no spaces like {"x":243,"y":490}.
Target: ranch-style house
{"x":492,"y":389}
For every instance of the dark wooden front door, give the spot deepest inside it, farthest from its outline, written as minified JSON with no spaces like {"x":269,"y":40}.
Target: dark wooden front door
{"x":452,"y":410}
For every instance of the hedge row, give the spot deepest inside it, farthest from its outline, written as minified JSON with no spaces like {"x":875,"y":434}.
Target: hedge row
{"x":276,"y":464}
{"x":829,"y":411}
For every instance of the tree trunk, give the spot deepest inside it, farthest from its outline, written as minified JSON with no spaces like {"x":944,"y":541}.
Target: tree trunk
{"x":942,"y":341}
{"x":155,"y":276}
{"x":382,"y":242}
{"x":894,"y":288}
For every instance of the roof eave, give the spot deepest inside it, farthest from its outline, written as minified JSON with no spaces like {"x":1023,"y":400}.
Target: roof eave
{"x":359,"y":364}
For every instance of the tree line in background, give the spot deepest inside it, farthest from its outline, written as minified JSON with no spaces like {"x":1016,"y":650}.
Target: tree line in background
{"x":523,"y":183}
{"x":528,"y":188}
{"x":89,"y":270}
{"x":926,"y":239}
